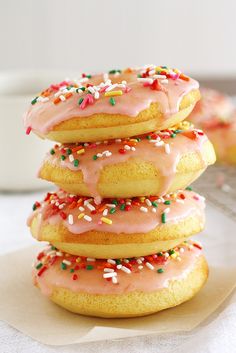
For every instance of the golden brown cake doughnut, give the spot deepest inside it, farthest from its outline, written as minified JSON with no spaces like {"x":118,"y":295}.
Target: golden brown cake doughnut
{"x":117,"y":227}
{"x":122,"y":287}
{"x":124,"y":104}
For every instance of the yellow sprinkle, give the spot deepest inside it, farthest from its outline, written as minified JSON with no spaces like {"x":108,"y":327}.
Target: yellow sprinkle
{"x":106,"y":220}
{"x":173,"y":256}
{"x":142,"y":199}
{"x":113,"y":93}
{"x":80,"y":151}
{"x":78,"y":259}
{"x":81,"y":215}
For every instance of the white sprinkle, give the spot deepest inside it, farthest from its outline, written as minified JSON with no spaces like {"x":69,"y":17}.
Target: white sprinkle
{"x":112,"y":262}
{"x":140,"y":267}
{"x":143,"y":209}
{"x":181,"y":250}
{"x":87,"y":201}
{"x":179,"y":201}
{"x":167,"y":148}
{"x":126,"y":261}
{"x":87,"y":218}
{"x":151,"y":72}
{"x":71,"y":158}
{"x":66,"y":262}
{"x":110,"y":205}
{"x":105,"y":212}
{"x":62,"y":98}
{"x":117,"y":140}
{"x":70,"y":219}
{"x":166,"y":254}
{"x":99,"y":155}
{"x":91,"y":259}
{"x":61,"y":206}
{"x":125,"y":269}
{"x":148,"y":202}
{"x":81,"y":209}
{"x":166,"y":210}
{"x":108,"y":270}
{"x":149,"y":266}
{"x":139,"y":261}
{"x":154,"y":210}
{"x":109,"y":275}
{"x":159,"y":76}
{"x":96,"y":95}
{"x":51,"y":253}
{"x":164,"y":81}
{"x":119,"y":267}
{"x":133,"y":149}
{"x":90,"y":207}
{"x":145,"y":79}
{"x":127,"y":148}
{"x":114,"y":280}
{"x":111,"y":87}
{"x":159,"y":143}
{"x":58,"y":253}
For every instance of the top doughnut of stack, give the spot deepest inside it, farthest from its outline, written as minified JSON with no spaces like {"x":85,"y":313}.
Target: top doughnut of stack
{"x":118,"y":104}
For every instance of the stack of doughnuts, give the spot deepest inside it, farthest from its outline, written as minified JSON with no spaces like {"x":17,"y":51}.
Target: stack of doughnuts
{"x":119,"y":223}
{"x":215,"y":113}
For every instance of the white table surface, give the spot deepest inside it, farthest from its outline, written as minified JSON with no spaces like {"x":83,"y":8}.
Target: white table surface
{"x":217,"y":335}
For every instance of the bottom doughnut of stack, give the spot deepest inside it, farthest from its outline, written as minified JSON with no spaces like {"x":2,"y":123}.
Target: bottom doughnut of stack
{"x":127,"y":287}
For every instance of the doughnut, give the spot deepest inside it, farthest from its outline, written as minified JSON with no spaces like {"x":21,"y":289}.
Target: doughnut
{"x":216,"y":115}
{"x":123,"y":287}
{"x":117,"y":227}
{"x":151,"y":164}
{"x":115,"y":105}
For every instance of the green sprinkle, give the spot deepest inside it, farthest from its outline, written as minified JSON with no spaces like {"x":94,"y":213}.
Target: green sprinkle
{"x":163,"y":217}
{"x":53,"y":247}
{"x":76,"y":163}
{"x":63,"y":266}
{"x":171,"y":252}
{"x":112,"y":101}
{"x":95,"y":157}
{"x":138,"y":139}
{"x":118,"y":262}
{"x":115,"y":202}
{"x":148,"y":137}
{"x":159,"y":254}
{"x":160,"y":270}
{"x":178,"y":131}
{"x":154,"y":204}
{"x":89,"y":267}
{"x":189,"y":188}
{"x":112,"y":210}
{"x":80,"y":100}
{"x":173,"y":135}
{"x":63,"y":157}
{"x":82,"y":88}
{"x":39,"y":266}
{"x":34,"y":100}
{"x":52,"y":151}
{"x":167,"y":202}
{"x":112,"y":72}
{"x":122,"y":207}
{"x":34,"y":207}
{"x":139,"y":75}
{"x":68,"y":151}
{"x":89,"y":76}
{"x":72,"y":270}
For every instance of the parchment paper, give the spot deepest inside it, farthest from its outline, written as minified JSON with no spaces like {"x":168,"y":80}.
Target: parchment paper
{"x":23,"y":306}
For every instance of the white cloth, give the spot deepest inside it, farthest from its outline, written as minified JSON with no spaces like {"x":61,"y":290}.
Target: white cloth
{"x":218,"y":336}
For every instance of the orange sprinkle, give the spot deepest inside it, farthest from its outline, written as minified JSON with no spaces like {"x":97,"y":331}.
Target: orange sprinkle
{"x":102,"y":208}
{"x":68,"y":95}
{"x":183,"y":77}
{"x":73,"y":205}
{"x":57,"y":100}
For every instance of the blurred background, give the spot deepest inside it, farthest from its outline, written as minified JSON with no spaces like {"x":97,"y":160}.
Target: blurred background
{"x":46,"y":41}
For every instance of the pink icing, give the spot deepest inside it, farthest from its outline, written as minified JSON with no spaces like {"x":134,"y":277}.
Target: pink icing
{"x":184,"y":143}
{"x":145,"y":280}
{"x":183,"y":204}
{"x":43,"y":116}
{"x":214,"y":107}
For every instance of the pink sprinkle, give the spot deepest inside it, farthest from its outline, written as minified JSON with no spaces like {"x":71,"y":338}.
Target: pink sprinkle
{"x":28,"y":130}
{"x":127,"y":89}
{"x":196,"y":197}
{"x":87,"y":100}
